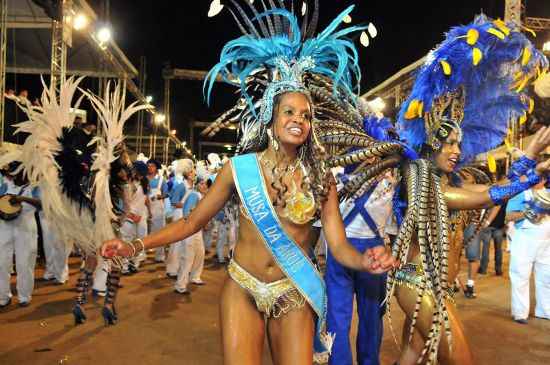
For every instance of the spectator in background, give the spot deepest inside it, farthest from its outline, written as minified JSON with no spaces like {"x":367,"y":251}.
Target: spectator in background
{"x":530,"y":249}
{"x":494,"y":229}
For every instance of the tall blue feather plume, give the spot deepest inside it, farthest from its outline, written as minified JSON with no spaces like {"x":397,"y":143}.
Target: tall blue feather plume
{"x":334,"y":56}
{"x":491,"y":98}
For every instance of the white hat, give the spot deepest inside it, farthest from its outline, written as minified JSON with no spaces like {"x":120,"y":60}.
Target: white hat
{"x":215,"y":161}
{"x":202,"y":171}
{"x":183,"y":166}
{"x":141,"y":157}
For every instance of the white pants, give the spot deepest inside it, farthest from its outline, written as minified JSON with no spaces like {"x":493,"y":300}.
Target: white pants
{"x":157,"y":223}
{"x":191,"y":260}
{"x":18,"y":237}
{"x":172,"y":260}
{"x":56,"y":251}
{"x":528,"y":253}
{"x":130,"y":231}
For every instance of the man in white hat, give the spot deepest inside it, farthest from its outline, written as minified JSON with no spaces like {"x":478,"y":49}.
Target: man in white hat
{"x":191,"y":250}
{"x":19,"y":236}
{"x":183,"y":183}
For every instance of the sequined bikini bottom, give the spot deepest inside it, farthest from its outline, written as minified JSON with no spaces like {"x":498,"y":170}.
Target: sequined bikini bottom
{"x":272,"y":299}
{"x":411,"y":276}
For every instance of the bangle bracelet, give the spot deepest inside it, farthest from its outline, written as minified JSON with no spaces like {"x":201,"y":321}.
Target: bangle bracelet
{"x":135,"y":242}
{"x":132,"y":247}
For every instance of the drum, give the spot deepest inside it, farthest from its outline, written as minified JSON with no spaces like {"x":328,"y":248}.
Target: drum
{"x":539,"y":206}
{"x":9,"y":211}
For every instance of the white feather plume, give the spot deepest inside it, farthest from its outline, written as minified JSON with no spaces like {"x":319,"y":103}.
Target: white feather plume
{"x":112,"y":114}
{"x":37,"y":155}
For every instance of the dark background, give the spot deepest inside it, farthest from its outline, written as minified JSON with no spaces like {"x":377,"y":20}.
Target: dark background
{"x":179,"y":32}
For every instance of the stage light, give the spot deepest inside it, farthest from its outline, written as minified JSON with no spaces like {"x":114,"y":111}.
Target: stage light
{"x":80,"y":21}
{"x":173,"y":132}
{"x":104,"y":35}
{"x":377,"y":105}
{"x":160,"y":118}
{"x":546,"y":47}
{"x":148,"y":99}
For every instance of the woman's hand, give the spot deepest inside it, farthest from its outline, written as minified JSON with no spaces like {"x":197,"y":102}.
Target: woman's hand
{"x":378,"y":260}
{"x":115,"y":247}
{"x":540,"y":141}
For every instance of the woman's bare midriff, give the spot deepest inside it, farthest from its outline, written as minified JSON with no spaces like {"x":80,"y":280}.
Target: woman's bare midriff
{"x":252,"y":254}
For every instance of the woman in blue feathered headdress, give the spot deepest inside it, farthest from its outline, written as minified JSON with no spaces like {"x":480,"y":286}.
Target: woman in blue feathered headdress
{"x":472,"y":85}
{"x":296,"y":88}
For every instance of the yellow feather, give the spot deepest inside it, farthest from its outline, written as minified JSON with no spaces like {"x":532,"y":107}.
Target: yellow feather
{"x":502,"y":26}
{"x":520,"y":85}
{"x":531,"y":105}
{"x":518,"y":75}
{"x":497,"y":33}
{"x":526,"y":56}
{"x":523,"y":119}
{"x":412,"y":110}
{"x":476,"y":56}
{"x":472,"y":36}
{"x":491,"y":163}
{"x":530,"y":31}
{"x":507,"y":143}
{"x":446,"y":67}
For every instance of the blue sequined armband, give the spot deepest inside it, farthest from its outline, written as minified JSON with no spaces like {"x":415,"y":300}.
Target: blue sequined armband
{"x":520,"y":166}
{"x":501,"y":193}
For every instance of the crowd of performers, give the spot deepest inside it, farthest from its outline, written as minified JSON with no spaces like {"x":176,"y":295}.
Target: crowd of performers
{"x":311,"y":157}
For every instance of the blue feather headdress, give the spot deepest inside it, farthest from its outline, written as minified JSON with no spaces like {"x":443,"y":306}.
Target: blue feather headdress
{"x":477,"y":79}
{"x":278,"y":57}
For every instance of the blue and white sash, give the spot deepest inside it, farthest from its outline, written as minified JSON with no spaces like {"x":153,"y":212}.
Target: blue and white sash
{"x":288,"y":255}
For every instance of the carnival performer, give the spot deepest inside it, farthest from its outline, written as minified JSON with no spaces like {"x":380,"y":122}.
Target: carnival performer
{"x":530,"y":251}
{"x":283,"y":181}
{"x":191,"y":250}
{"x":19,"y":236}
{"x":183,"y":183}
{"x":470,"y":88}
{"x":136,"y":212}
{"x":65,"y":171}
{"x":158,"y":191}
{"x":215,"y":229}
{"x":56,"y":255}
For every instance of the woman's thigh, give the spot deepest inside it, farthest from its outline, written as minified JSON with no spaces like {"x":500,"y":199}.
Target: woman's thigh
{"x":243,"y":327}
{"x":291,"y":337}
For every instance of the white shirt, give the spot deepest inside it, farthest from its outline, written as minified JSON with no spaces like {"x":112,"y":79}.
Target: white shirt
{"x":378,"y":206}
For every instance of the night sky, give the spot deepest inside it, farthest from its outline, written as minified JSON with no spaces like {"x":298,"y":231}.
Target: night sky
{"x":180,"y":32}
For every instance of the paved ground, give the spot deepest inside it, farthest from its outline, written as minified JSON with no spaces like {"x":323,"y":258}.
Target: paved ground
{"x":158,"y":326}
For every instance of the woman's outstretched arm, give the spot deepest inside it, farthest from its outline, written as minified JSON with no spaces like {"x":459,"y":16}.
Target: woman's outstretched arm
{"x":214,"y":200}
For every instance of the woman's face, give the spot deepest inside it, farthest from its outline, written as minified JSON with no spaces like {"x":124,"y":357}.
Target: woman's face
{"x":447,"y":158}
{"x":292,"y":119}
{"x":202,"y":187}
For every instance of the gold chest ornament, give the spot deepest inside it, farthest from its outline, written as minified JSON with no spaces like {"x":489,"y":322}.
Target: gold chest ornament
{"x":300,"y":207}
